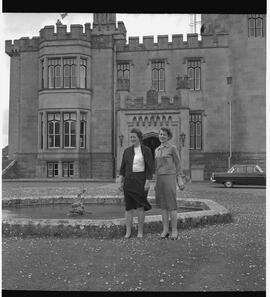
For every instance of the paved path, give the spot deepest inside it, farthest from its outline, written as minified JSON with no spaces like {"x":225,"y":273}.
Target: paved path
{"x":224,"y":257}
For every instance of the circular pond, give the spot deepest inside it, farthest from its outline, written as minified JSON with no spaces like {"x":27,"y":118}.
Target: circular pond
{"x":103,"y":217}
{"x":62,"y":211}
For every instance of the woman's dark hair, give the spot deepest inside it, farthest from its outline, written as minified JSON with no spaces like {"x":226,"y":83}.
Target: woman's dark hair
{"x":168,"y":131}
{"x":138,"y":132}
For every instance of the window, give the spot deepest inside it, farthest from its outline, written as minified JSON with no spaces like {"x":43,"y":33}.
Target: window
{"x":42,"y":74}
{"x":195,"y":124}
{"x":83,"y":73}
{"x":62,"y":129}
{"x":69,"y":129}
{"x":52,"y":169}
{"x":63,"y":73}
{"x":53,"y":130}
{"x":123,"y":76}
{"x":41,"y":130}
{"x":255,"y":25}
{"x":54,"y":73}
{"x":68,"y":169}
{"x":251,"y":169}
{"x":240,"y":169}
{"x":82,"y":129}
{"x":69,"y":71}
{"x":194,"y":74}
{"x":158,"y":75}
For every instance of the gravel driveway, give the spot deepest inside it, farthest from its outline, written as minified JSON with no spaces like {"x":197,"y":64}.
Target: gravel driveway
{"x":223,"y":257}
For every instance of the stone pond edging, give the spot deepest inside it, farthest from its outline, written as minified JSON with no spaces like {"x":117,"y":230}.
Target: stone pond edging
{"x":210,"y":213}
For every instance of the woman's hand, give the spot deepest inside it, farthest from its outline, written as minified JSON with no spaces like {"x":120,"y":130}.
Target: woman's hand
{"x":120,"y":181}
{"x":147,"y":185}
{"x":180,"y":183}
{"x":181,"y":187}
{"x":121,"y":188}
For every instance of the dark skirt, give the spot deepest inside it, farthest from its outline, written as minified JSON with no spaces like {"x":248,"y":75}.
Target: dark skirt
{"x":166,"y":191}
{"x":134,"y":194}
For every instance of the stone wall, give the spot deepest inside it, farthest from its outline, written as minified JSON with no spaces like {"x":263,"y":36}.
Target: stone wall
{"x":101,"y":165}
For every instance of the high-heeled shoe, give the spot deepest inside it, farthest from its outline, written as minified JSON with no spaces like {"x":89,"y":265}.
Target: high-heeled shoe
{"x":174,"y":237}
{"x":165,"y":236}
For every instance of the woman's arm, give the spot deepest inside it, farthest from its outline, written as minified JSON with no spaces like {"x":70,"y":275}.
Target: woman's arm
{"x":177,"y":161}
{"x":149,"y":163}
{"x":122,"y":170}
{"x":179,"y":172}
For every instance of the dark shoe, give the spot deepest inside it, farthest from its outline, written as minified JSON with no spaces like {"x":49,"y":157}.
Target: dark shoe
{"x":165,"y":236}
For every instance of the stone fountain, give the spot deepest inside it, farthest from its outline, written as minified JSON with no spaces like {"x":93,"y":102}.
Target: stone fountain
{"x":77,"y":208}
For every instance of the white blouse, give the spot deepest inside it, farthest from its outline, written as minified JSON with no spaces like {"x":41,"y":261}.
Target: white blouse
{"x":138,"y":161}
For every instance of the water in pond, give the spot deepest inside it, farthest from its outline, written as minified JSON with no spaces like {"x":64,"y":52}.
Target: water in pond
{"x":61,"y":211}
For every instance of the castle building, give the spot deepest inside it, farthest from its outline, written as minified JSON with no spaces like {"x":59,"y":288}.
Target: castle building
{"x":75,"y":96}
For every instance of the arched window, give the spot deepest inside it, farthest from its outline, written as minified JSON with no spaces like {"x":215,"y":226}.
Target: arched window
{"x":123,"y":76}
{"x":255,"y":25}
{"x":69,"y":129}
{"x":194,"y":74}
{"x":42,"y":74}
{"x":83,"y":73}
{"x":82,"y":130}
{"x":54,"y":73}
{"x":158,"y":75}
{"x":69,"y":70}
{"x":53,"y":130}
{"x":41,"y":130}
{"x":195,"y":131}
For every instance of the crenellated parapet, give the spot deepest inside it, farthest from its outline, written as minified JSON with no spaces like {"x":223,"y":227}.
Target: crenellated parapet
{"x":207,"y":40}
{"x":23,"y":44}
{"x":100,"y":32}
{"x":60,"y":32}
{"x":151,"y":102}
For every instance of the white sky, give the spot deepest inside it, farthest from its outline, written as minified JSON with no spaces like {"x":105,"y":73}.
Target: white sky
{"x":17,"y":25}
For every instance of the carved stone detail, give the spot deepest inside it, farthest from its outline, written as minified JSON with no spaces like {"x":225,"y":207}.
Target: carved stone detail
{"x":152,"y":97}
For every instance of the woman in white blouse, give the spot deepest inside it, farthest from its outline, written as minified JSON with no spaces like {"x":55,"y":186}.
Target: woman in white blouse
{"x":135,"y":174}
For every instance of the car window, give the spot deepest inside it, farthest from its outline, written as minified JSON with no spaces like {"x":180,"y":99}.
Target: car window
{"x":258,"y":169}
{"x":251,"y":169}
{"x":237,"y":169}
{"x":231,"y":170}
{"x":240,"y":169}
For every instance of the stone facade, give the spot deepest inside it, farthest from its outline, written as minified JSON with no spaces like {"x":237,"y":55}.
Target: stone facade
{"x":58,"y":147}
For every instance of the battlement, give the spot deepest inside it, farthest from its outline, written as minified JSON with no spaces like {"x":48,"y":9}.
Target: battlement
{"x":151,"y":100}
{"x":152,"y":103}
{"x":60,"y":32}
{"x":76,"y":32}
{"x":21,"y":45}
{"x":207,"y":40}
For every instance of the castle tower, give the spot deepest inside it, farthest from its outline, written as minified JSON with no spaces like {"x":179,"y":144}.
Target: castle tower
{"x":104,"y":23}
{"x":102,"y":105}
{"x":104,"y":18}
{"x":247,"y":68}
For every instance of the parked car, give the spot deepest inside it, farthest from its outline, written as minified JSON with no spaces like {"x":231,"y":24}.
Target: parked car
{"x":240,"y":175}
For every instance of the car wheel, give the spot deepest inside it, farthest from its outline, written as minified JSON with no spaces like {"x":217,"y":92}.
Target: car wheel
{"x":228,"y":184}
